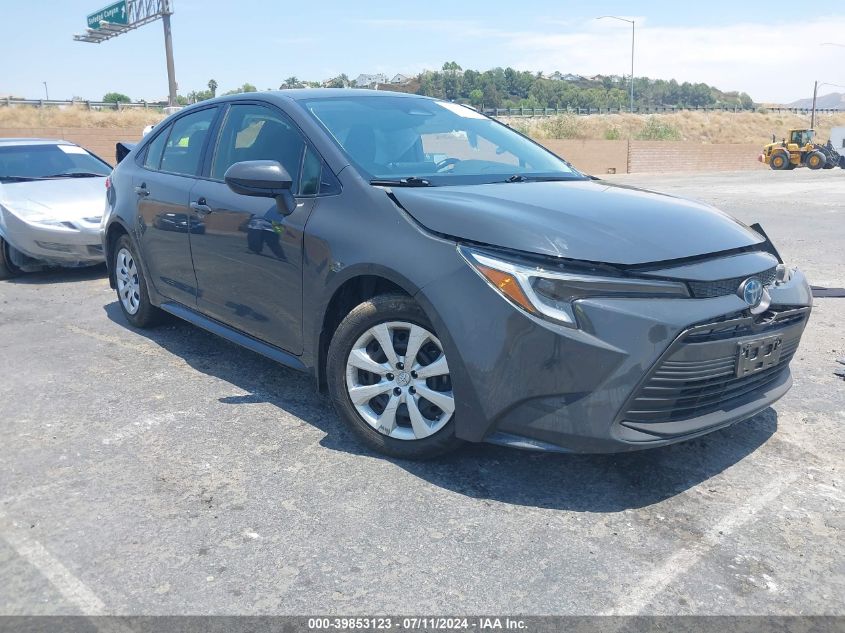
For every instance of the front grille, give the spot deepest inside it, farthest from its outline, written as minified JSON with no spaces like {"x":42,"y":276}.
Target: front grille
{"x":722,"y":287}
{"x":698,"y":374}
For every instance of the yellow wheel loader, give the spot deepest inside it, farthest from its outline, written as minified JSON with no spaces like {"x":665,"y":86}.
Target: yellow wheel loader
{"x":800,"y":151}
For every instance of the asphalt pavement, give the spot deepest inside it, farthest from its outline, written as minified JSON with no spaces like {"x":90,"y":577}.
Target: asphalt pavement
{"x":170,"y":472}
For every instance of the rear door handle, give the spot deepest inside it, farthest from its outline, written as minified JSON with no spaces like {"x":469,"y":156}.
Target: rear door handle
{"x":142,"y":190}
{"x":201,"y":207}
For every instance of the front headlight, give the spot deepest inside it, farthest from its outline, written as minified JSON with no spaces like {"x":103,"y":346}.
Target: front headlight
{"x":551,"y":293}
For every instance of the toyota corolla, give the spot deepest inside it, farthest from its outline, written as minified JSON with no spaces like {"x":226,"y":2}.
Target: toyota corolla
{"x":446,"y":279}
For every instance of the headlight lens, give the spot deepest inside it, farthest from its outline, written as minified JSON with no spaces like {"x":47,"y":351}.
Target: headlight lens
{"x":551,"y":293}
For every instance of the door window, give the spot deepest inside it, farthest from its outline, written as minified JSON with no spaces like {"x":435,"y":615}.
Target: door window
{"x":254,"y":132}
{"x":154,"y":150}
{"x":183,"y":151}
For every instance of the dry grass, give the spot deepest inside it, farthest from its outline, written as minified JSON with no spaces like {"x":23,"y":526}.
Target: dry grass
{"x":696,"y":127}
{"x":77,"y":116}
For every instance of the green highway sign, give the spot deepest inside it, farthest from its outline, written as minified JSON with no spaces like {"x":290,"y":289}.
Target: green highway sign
{"x":115,"y":13}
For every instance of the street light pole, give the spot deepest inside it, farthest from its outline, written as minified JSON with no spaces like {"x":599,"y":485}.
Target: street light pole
{"x":633,"y":36}
{"x":46,"y":93}
{"x":816,"y":87}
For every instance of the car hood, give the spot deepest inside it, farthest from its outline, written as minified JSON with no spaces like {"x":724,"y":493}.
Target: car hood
{"x":62,"y":199}
{"x":584,"y":220}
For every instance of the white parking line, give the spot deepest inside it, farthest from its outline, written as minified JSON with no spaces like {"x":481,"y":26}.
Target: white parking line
{"x":72,"y":589}
{"x":652,"y":585}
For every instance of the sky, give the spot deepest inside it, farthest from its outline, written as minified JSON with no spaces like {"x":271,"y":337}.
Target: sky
{"x":772,"y":50}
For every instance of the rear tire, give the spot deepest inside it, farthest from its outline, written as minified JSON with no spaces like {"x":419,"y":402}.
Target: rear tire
{"x":779,"y":161}
{"x":132,"y":294}
{"x":401,"y":411}
{"x":7,"y":268}
{"x":816,"y":160}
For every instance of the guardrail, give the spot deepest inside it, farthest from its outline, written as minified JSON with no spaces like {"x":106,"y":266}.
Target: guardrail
{"x":547,"y":112}
{"x":91,"y":105}
{"x":496,"y":112}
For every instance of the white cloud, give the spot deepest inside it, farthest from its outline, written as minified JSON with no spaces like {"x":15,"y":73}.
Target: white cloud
{"x":772,"y":62}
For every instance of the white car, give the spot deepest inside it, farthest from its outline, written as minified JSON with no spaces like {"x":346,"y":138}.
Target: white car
{"x":52,"y":197}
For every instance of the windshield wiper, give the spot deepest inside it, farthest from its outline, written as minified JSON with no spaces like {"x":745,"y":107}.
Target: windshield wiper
{"x":410,"y":181}
{"x":77,"y":174}
{"x":522,"y":178}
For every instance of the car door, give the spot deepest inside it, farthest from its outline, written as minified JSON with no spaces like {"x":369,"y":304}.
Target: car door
{"x":171,"y":163}
{"x":248,"y":256}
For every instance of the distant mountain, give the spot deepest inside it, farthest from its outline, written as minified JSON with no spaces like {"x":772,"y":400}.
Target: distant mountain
{"x":835,"y":100}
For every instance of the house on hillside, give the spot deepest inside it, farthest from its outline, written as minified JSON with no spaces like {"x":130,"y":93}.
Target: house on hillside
{"x":400,"y":79}
{"x":558,"y":76}
{"x":370,"y":81}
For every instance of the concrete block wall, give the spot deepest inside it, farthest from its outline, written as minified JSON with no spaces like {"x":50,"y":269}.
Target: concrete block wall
{"x":593,"y":157}
{"x":100,"y":141}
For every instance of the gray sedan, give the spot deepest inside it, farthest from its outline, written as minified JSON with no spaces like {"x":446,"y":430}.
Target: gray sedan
{"x":52,"y":195}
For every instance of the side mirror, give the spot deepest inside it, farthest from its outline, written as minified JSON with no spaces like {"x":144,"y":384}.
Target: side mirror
{"x":262,"y":179}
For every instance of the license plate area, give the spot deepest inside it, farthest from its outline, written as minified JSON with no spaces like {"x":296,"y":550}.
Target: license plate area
{"x":758,"y":355}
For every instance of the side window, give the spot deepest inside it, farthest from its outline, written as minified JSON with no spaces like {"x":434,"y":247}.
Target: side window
{"x":154,"y":150}
{"x":183,"y":151}
{"x":311,"y":168}
{"x":254,"y":132}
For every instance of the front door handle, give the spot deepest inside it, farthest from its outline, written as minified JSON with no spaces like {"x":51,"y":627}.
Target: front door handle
{"x":201,"y":207}
{"x":142,"y":190}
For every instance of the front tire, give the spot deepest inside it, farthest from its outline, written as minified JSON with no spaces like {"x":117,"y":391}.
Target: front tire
{"x":388,"y":377}
{"x":816,"y":160}
{"x":132,"y":294}
{"x":7,"y":267}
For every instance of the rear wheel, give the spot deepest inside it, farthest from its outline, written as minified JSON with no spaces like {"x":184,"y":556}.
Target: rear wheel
{"x":816,"y":160}
{"x":779,"y":161}
{"x":132,"y":294}
{"x":7,"y":267}
{"x":389,"y":378}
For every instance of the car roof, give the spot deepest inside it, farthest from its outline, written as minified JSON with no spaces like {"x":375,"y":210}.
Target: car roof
{"x":7,"y":142}
{"x":298,"y":94}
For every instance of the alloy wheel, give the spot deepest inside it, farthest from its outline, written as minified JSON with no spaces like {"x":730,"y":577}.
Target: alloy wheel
{"x":128,"y":286}
{"x":397,"y":378}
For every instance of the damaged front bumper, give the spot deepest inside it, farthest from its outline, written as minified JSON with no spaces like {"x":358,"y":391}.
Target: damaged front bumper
{"x":66,"y":243}
{"x":638,"y":373}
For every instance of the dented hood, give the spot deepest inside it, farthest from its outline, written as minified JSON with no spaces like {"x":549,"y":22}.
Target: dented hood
{"x":584,"y":220}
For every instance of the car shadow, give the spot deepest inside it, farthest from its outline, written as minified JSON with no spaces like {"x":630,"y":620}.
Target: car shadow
{"x":61,"y":275}
{"x":581,"y":483}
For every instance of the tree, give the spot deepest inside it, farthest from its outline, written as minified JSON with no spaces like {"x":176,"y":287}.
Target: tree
{"x":476,"y":98}
{"x":290,"y":82}
{"x":212,"y":87}
{"x":116,"y":97}
{"x":247,"y":87}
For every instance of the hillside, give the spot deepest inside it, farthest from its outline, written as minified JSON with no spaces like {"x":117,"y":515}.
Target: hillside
{"x":834,"y":100}
{"x":694,"y":127}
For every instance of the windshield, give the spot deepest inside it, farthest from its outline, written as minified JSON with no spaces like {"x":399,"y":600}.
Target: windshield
{"x":32,"y":162}
{"x":444,"y":143}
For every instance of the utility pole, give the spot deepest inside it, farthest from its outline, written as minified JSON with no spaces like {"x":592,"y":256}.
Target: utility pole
{"x":46,"y":93}
{"x":167,"y":11}
{"x":633,"y":35}
{"x":813,"y":115}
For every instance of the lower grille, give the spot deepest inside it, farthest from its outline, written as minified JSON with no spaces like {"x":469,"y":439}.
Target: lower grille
{"x":698,"y":374}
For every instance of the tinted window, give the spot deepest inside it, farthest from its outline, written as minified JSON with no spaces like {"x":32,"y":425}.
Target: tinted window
{"x":48,"y":161}
{"x":253,"y":132}
{"x":155,"y":148}
{"x":183,"y":150}
{"x":311,"y":167}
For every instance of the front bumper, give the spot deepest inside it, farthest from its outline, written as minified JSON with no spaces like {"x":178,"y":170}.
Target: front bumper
{"x":526,"y":382}
{"x":75,"y":243}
